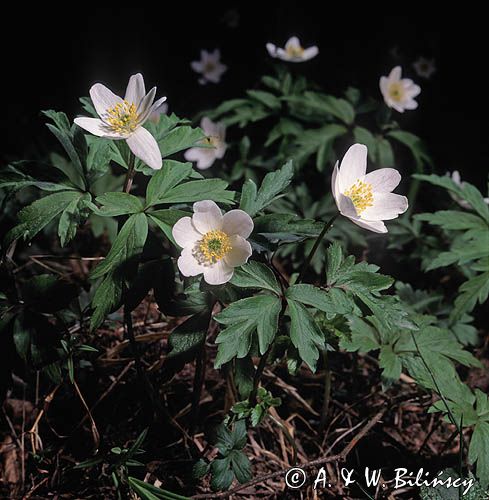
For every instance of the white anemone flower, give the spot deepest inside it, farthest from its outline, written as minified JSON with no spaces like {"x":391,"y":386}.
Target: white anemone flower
{"x":209,"y":66}
{"x":424,"y":67}
{"x":399,"y":93}
{"x":213,"y":244}
{"x":214,"y":142}
{"x":293,"y":51}
{"x":366,"y":199}
{"x":455,"y":176}
{"x":124,"y":118}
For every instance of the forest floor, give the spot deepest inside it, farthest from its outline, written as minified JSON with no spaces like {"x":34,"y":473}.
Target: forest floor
{"x":46,"y":429}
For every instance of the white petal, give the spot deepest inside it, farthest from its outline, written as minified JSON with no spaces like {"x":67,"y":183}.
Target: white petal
{"x":207,"y":216}
{"x":345,"y":206}
{"x":383,"y":180}
{"x":239,"y":253}
{"x":145,"y":147}
{"x":135,"y":90}
{"x":272,"y":49}
{"x":237,"y":222}
{"x":96,"y":127}
{"x":218,"y":274}
{"x":374,"y":226}
{"x":410,"y":104}
{"x":282,"y":54}
{"x":386,"y":206}
{"x":395,"y":74}
{"x":188,"y":264}
{"x":384,"y":85}
{"x":293,"y":42}
{"x":184,"y":233}
{"x":310,"y":53}
{"x":353,"y":166}
{"x":220,"y":150}
{"x":197,"y":66}
{"x":204,"y":157}
{"x":334,"y":183}
{"x":103,"y":98}
{"x":208,"y":126}
{"x":144,"y":108}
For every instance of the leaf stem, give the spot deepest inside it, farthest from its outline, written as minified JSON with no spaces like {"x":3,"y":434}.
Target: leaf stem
{"x":130,"y":173}
{"x":323,"y":232}
{"x":258,"y":374}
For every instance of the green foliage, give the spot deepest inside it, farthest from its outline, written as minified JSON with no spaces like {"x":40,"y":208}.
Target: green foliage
{"x":469,"y":249}
{"x":242,"y":319}
{"x":231,"y":462}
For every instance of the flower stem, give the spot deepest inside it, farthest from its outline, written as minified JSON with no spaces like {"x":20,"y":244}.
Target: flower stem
{"x":323,"y":232}
{"x":327,"y":391}
{"x":130,"y":174}
{"x":257,"y":377}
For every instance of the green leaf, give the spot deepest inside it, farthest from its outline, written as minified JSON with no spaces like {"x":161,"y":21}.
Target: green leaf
{"x":252,"y":201}
{"x":187,"y":337}
{"x":207,"y":189}
{"x":164,"y":180}
{"x":126,"y":248}
{"x":473,"y":291}
{"x":73,"y":216}
{"x":257,"y":276}
{"x":222,"y":475}
{"x":312,"y":296}
{"x":390,"y":363}
{"x":265,"y":98}
{"x":242,"y":318}
{"x":453,"y":219}
{"x":479,"y":451}
{"x":40,"y":213}
{"x":364,"y":337}
{"x":305,"y":334}
{"x":385,"y":155}
{"x":240,"y":465}
{"x":149,"y":492}
{"x":107,"y":298}
{"x":114,"y":204}
{"x":178,"y":139}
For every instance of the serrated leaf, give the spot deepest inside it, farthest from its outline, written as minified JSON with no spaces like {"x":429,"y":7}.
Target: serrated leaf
{"x":257,"y":276}
{"x":305,"y":334}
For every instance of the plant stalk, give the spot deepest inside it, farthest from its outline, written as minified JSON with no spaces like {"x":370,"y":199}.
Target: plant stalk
{"x":323,"y":232}
{"x":131,"y":172}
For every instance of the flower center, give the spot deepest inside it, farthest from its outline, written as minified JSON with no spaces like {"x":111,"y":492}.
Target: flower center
{"x":209,"y":67}
{"x":295,"y":51}
{"x":361,"y":195}
{"x":396,"y":91}
{"x":123,"y":117}
{"x":213,"y":246}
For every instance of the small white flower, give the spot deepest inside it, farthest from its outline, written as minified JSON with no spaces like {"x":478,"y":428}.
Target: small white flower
{"x":215,"y":142}
{"x":162,"y":109}
{"x":399,"y":93}
{"x":366,"y":199}
{"x":209,"y":66}
{"x":424,"y":67}
{"x":213,"y":244}
{"x":293,"y":51}
{"x":455,"y":176}
{"x":123,"y":118}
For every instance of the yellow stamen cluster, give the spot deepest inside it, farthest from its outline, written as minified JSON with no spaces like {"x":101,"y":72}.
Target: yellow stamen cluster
{"x":214,"y":246}
{"x":123,"y":117}
{"x":361,"y":195}
{"x":396,"y":91}
{"x":294,"y":51}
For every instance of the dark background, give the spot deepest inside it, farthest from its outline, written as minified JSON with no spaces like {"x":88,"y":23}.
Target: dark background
{"x":51,"y":57}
